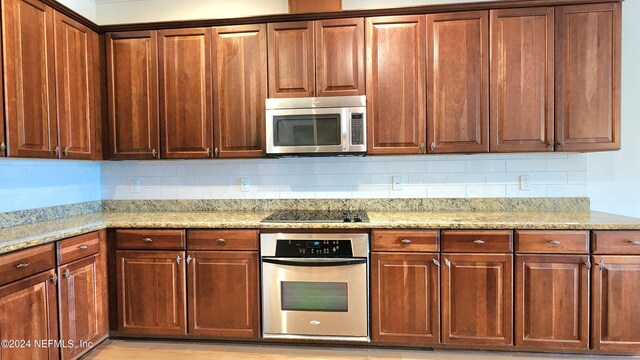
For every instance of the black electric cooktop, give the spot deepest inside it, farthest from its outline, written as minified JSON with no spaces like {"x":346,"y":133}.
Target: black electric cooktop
{"x":331,"y":216}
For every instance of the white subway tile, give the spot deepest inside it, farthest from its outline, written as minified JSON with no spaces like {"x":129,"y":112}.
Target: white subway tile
{"x":526,"y":165}
{"x":566,"y":190}
{"x":504,"y":178}
{"x":534,"y":191}
{"x":467,"y":178}
{"x":548,"y":177}
{"x":446,"y":191}
{"x":577,"y":177}
{"x":486,"y":191}
{"x":428,"y":178}
{"x":486,"y":165}
{"x":406,"y":167}
{"x":446,"y":166}
{"x":332,"y":168}
{"x":569,"y":164}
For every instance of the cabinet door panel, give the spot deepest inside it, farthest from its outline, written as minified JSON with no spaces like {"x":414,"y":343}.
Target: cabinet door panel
{"x":186,"y":120}
{"x":552,"y":301}
{"x":340,"y":57}
{"x":458,"y":78}
{"x":522,"y":79}
{"x":291,"y":59}
{"x":29,"y":70}
{"x":240,"y":90}
{"x":396,"y":84}
{"x":477,"y":304}
{"x":616,"y":304}
{"x":223,"y":294}
{"x":76,"y":47}
{"x":132,"y":75}
{"x":588,"y":77}
{"x":151,"y":292}
{"x":28,"y":311}
{"x":405,"y":298}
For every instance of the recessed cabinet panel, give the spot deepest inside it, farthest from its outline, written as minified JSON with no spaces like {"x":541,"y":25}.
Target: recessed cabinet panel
{"x":458,"y":80}
{"x":522,"y":80}
{"x":132,"y":73}
{"x":185,"y":82}
{"x":396,"y":85}
{"x":588,"y":77}
{"x":291,"y":59}
{"x":240,"y":90}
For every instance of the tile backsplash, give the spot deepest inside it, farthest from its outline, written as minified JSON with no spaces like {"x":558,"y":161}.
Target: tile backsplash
{"x":433,"y":176}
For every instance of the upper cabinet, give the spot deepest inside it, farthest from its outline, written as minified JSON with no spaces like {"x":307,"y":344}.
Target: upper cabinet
{"x":396,"y":117}
{"x":132,"y":76}
{"x":291,"y":59}
{"x":186,"y":121}
{"x":588,"y":40}
{"x":458,"y":78}
{"x":240,"y":90}
{"x":522,"y":80}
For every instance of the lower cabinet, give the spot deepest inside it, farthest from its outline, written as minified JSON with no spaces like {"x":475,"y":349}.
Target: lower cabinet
{"x":151,"y":292}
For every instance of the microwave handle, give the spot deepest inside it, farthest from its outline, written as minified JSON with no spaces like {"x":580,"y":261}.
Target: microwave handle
{"x":312,"y":263}
{"x":345,"y":122}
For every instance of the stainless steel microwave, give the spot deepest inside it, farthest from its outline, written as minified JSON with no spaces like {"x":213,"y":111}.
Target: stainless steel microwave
{"x":316,"y":126}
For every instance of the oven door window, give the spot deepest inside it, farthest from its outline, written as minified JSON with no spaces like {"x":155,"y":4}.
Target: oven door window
{"x":307,"y":130}
{"x":315,"y":296}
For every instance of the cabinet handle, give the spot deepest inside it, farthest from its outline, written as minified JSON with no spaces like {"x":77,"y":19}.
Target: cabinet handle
{"x":189,"y":258}
{"x":406,"y":241}
{"x":83,"y":247}
{"x":221,"y":241}
{"x":588,"y":263}
{"x":23,"y":265}
{"x":554,"y":242}
{"x":634,"y":242}
{"x":67,"y":273}
{"x":216,"y":152}
{"x":433,"y":146}
{"x":54,"y":279}
{"x":423,"y":148}
{"x":436,"y":262}
{"x":66,"y":151}
{"x":601,"y":265}
{"x":447,"y":262}
{"x":56,"y":151}
{"x":147,"y":240}
{"x":561,"y":143}
{"x":154,"y":152}
{"x":478,"y":241}
{"x":178,"y":259}
{"x":3,"y":149}
{"x":208,"y":152}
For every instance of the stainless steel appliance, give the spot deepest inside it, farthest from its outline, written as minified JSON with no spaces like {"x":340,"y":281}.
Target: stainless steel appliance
{"x":316,"y":126}
{"x":314,"y":286}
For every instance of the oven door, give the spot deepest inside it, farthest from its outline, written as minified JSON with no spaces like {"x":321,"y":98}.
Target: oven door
{"x":315,"y":298}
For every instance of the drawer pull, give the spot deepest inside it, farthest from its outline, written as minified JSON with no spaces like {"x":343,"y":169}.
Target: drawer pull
{"x":447,"y":262}
{"x":221,"y":241}
{"x":406,"y":241}
{"x":23,"y":265}
{"x":634,"y":242}
{"x":67,"y":274}
{"x":588,"y":263}
{"x":147,"y":240}
{"x":83,"y":247}
{"x":436,"y":262}
{"x":554,"y":242}
{"x":478,"y":241}
{"x":178,"y":259}
{"x":189,"y":258}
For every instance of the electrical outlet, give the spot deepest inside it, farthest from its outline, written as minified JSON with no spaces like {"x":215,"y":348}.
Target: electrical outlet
{"x":396,"y":183}
{"x":245,"y":184}
{"x":524,"y":183}
{"x":134,"y":185}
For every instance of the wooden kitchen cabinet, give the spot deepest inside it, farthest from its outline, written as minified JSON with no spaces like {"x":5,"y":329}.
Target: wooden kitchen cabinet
{"x":522,"y":80}
{"x":458,"y":82}
{"x":132,"y":77}
{"x":240,"y":90}
{"x":395,"y":82}
{"x":29,"y":75}
{"x":552,"y":301}
{"x":151,"y":292}
{"x":477,"y":303}
{"x":186,"y":99}
{"x":223,"y":293}
{"x":405,"y":298}
{"x":588,"y":52}
{"x":291,"y":59}
{"x":28,"y":311}
{"x":339,"y":52}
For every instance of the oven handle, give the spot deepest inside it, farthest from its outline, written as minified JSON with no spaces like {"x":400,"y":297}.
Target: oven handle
{"x":312,"y":263}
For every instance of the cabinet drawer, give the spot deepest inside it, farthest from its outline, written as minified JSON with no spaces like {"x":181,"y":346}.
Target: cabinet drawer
{"x":477,"y":241}
{"x":405,"y":240}
{"x":20,"y":264}
{"x":78,"y":247}
{"x":552,"y":242}
{"x":222,"y":239}
{"x":150,"y":239}
{"x":616,"y":242}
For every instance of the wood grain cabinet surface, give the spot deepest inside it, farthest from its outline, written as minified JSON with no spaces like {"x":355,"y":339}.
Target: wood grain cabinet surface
{"x":132,"y":86}
{"x":291,"y":59}
{"x":395,"y":82}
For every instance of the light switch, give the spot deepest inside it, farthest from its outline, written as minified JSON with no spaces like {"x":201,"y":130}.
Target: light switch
{"x":524,"y":183}
{"x":245,"y":184}
{"x":134,"y":185}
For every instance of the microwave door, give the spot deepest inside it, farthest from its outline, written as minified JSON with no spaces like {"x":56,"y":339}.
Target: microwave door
{"x":308,"y":131}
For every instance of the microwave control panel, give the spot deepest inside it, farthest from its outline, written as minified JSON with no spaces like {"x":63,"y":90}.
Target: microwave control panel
{"x":357,"y":129}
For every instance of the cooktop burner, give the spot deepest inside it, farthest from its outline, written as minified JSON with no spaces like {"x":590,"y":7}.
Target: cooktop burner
{"x":332,"y":216}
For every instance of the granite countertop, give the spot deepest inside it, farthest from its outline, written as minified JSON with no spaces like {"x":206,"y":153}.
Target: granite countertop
{"x":19,"y":237}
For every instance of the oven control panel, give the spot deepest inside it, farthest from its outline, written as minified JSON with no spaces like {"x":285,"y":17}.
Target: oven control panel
{"x":314,"y":248}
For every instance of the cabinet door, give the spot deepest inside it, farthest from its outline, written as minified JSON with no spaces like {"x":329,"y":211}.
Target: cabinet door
{"x":552,"y":301}
{"x":223,"y":294}
{"x":458,"y":78}
{"x":291,"y":59}
{"x":29,"y":75}
{"x":132,"y":76}
{"x":340,"y":57}
{"x":28,"y":311}
{"x":151,"y":292}
{"x":522,"y":80}
{"x":477,"y":304}
{"x":616,"y":303}
{"x":3,"y":140}
{"x":405,"y":298}
{"x":82,"y":313}
{"x":186,"y":121}
{"x":76,"y":78}
{"x":240,"y":89}
{"x":588,"y":77}
{"x":396,"y":85}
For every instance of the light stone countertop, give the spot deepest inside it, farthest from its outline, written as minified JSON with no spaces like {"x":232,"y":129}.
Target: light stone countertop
{"x":19,"y":237}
